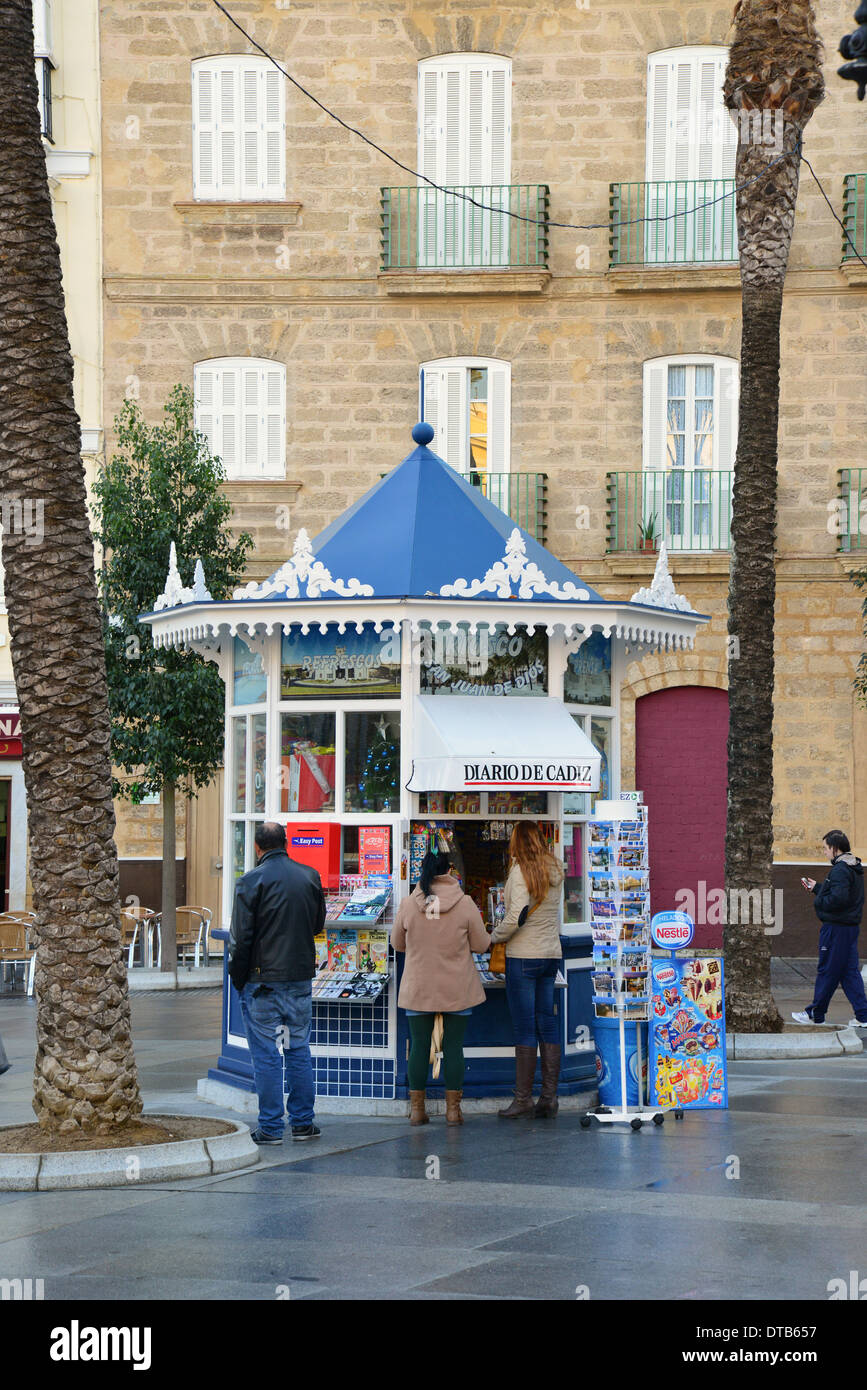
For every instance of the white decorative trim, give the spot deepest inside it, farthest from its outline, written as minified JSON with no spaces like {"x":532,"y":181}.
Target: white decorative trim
{"x":662,"y":593}
{"x":91,"y":439}
{"x":68,"y":164}
{"x":514,"y":568}
{"x":174,"y":593}
{"x":303,"y":568}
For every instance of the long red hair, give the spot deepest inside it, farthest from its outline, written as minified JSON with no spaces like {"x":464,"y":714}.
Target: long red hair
{"x":534,"y":859}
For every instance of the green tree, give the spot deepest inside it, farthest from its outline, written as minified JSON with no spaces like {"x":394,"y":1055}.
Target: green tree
{"x":773,"y":85}
{"x":167,"y":705}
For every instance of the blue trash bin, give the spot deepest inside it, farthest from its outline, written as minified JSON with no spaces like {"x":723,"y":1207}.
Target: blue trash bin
{"x":606,"y":1034}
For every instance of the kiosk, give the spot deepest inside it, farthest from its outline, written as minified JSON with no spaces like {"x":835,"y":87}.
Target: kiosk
{"x":424,"y":671}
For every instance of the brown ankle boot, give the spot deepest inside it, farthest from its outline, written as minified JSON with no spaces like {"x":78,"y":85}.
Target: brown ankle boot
{"x":418,"y":1115}
{"x":548,"y":1104}
{"x":453,"y":1108}
{"x":525,"y":1070}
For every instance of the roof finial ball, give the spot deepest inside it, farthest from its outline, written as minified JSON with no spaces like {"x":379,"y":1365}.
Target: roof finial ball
{"x":423,"y":433}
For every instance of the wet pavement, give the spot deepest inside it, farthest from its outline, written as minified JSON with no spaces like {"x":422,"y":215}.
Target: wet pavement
{"x":762,"y":1201}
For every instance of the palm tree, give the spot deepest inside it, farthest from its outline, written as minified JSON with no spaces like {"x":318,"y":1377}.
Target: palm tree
{"x":85,"y":1075}
{"x":775,"y":68}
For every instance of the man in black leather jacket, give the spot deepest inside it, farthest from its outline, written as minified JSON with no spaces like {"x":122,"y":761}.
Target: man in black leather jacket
{"x":839,"y":904}
{"x":279,"y":908}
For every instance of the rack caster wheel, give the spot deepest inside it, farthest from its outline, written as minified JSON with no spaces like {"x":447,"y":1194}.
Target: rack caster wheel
{"x":636,"y":1124}
{"x":584,"y":1122}
{"x":659,"y":1119}
{"x":678,"y":1114}
{"x":602,"y":1110}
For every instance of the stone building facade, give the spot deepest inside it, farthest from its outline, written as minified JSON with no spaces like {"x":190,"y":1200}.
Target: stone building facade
{"x":241,"y":222}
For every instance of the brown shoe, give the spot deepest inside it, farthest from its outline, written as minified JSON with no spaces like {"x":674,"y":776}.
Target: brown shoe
{"x":417,"y":1114}
{"x":453,"y":1108}
{"x":548,"y":1104}
{"x":525,"y":1070}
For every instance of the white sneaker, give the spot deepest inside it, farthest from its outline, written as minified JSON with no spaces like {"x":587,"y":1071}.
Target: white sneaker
{"x":804,"y":1018}
{"x":857,"y":1023}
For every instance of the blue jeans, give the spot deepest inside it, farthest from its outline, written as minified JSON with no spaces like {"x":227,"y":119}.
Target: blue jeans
{"x":270,"y":1012}
{"x":530,"y":992}
{"x":838,"y":965}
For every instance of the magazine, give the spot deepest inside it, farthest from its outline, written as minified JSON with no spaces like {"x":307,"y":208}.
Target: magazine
{"x":342,"y":950}
{"x":367,"y":904}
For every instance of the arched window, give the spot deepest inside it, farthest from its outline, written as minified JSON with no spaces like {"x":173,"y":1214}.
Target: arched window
{"x":691,"y":144}
{"x":467,"y":400}
{"x":464,"y":142}
{"x":240,"y":404}
{"x":239,"y":129}
{"x":690,"y":433}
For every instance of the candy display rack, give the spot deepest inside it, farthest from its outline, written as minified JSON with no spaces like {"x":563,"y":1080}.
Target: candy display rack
{"x":620,"y":917}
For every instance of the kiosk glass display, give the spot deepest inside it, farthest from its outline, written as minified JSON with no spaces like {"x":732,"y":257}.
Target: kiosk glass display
{"x":249,"y":681}
{"x":588,"y":673}
{"x":307,"y":753}
{"x":485,"y":663}
{"x":372,"y":761}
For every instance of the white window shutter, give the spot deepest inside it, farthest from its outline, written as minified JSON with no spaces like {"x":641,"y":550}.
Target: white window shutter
{"x":477,"y":138}
{"x":432,"y":413}
{"x":655,"y":413}
{"x":228,"y":153}
{"x":229,"y":409}
{"x":457,"y":417}
{"x":499,"y":424}
{"x":428,"y":123}
{"x":274,"y":153}
{"x":206,"y":410}
{"x":452,"y":164}
{"x":501,"y":125}
{"x":657,"y":118}
{"x":250,"y":93}
{"x":275,"y":427}
{"x":204,"y":133}
{"x":250,"y":413}
{"x":726,"y":414}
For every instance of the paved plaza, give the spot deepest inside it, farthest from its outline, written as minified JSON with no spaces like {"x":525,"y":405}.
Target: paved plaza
{"x":520,"y":1210}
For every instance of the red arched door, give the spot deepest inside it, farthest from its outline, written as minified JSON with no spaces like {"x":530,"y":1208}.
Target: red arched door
{"x":680,"y":765}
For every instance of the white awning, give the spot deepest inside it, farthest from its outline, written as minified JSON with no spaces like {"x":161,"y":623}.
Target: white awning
{"x":466,"y":742}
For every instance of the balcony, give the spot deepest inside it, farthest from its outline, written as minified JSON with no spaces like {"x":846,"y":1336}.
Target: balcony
{"x":692,"y":511}
{"x":851,"y":524}
{"x":429,"y":229}
{"x":855,"y":216}
{"x":688,"y":222}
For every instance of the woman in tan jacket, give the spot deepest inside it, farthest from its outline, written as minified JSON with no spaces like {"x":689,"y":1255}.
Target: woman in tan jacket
{"x":438,"y":927}
{"x":531,"y":931}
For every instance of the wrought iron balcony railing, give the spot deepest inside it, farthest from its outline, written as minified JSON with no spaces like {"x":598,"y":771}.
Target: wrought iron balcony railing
{"x":682,"y":222}
{"x":689,"y":510}
{"x":522,"y":496}
{"x":465,"y":228}
{"x":855,"y":216}
{"x":851,"y":519}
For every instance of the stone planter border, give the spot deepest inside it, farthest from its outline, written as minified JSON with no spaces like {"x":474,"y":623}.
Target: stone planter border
{"x":186,"y":1158}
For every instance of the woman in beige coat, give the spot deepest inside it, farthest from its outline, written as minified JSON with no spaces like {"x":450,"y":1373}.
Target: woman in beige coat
{"x":531,"y":931}
{"x":438,"y":927}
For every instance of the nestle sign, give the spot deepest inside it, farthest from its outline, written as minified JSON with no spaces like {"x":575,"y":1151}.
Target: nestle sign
{"x":671,"y":929}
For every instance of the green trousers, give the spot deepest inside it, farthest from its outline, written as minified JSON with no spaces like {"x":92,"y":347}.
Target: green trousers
{"x":420,"y":1031}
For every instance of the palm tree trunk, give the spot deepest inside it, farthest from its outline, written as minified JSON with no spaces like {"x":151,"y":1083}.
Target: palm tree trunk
{"x":85,"y":1077}
{"x":774,"y":74}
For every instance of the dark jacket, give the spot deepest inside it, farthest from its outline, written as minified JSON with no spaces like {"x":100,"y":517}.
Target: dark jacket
{"x":839,"y":899}
{"x":279,"y":908}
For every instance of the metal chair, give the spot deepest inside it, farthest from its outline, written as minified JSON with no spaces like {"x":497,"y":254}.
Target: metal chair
{"x":15,"y":948}
{"x":191,"y":926}
{"x":131,"y":919}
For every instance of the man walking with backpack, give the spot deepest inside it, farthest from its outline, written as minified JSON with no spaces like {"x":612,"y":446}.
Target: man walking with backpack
{"x":279,"y":908}
{"x":839,"y":905}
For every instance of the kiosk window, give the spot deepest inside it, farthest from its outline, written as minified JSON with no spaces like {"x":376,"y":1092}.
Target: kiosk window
{"x":372,"y":761}
{"x":307,"y":752}
{"x":249,"y":680}
{"x":485,"y":662}
{"x":588,"y":673}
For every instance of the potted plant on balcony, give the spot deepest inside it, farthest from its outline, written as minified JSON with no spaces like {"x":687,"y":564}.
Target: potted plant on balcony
{"x":648,"y":541}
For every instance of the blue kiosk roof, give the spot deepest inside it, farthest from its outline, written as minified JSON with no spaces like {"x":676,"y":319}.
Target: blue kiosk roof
{"x":422,"y":527}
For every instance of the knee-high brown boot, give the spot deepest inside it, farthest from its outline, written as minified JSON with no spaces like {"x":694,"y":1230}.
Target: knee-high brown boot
{"x":548,"y":1104}
{"x":525,"y":1070}
{"x":417,"y":1114}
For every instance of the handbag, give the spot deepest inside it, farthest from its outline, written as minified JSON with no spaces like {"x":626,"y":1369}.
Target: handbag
{"x":436,"y":1046}
{"x":497,"y":964}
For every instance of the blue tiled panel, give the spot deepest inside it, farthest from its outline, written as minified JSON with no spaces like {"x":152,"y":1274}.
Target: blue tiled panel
{"x":350,"y":1025}
{"x":356,"y":1076}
